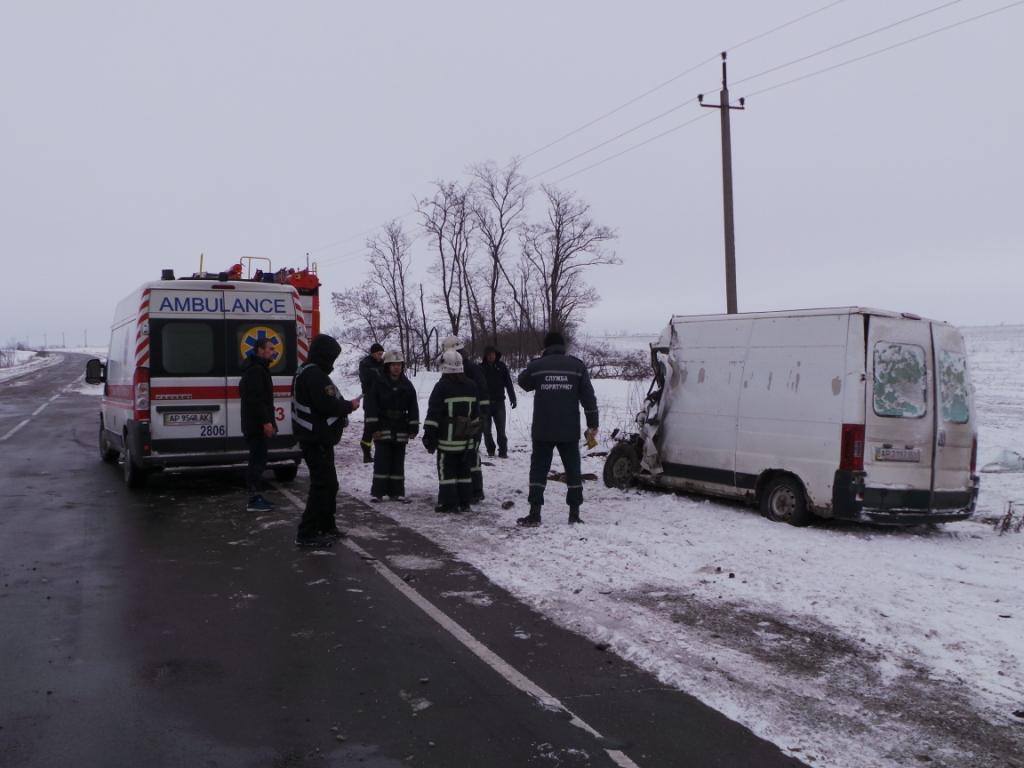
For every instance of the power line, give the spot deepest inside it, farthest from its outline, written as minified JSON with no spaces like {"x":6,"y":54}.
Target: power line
{"x":888,"y":48}
{"x":678,"y":76}
{"x":849,"y":41}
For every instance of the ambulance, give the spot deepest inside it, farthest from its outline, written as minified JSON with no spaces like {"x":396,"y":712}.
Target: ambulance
{"x":853,"y":413}
{"x":170,"y":381}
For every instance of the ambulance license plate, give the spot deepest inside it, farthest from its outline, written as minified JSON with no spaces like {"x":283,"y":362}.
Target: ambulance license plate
{"x":187,"y":418}
{"x":898,"y":454}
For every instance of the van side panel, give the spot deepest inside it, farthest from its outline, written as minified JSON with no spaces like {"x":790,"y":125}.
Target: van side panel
{"x":697,"y":441}
{"x":792,"y":401}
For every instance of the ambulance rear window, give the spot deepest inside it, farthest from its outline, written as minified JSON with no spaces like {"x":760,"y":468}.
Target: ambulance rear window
{"x":187,"y":349}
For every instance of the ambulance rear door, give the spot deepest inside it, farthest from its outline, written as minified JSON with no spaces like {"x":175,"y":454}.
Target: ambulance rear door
{"x":257,"y":311}
{"x":188,"y":389}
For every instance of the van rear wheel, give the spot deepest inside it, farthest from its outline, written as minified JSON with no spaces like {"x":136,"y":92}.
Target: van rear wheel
{"x":134,"y":475}
{"x":622,"y":466}
{"x":783,"y":501}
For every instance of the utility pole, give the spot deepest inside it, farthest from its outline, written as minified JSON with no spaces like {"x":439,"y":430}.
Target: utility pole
{"x":730,"y":235}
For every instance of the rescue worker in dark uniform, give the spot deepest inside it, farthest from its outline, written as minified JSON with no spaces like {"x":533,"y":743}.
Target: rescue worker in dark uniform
{"x":370,"y":371}
{"x":451,"y":429}
{"x":475,"y":374}
{"x":561,"y":383}
{"x":319,"y":416}
{"x":499,"y":381}
{"x":256,"y":389}
{"x":392,"y":420}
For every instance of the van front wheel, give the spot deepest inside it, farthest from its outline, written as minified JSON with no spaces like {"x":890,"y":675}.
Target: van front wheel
{"x":134,"y":475}
{"x":783,"y":501}
{"x":108,"y":454}
{"x":621,"y":466}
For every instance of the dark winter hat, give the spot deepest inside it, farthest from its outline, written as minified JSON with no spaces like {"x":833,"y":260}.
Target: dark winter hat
{"x":375,"y":347}
{"x":554,"y":339}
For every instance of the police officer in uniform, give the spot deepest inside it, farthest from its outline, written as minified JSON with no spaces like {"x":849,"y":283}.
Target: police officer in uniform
{"x":318,"y":417}
{"x":474,"y":373}
{"x":452,"y":429}
{"x":370,"y":372}
{"x":392,"y":420}
{"x":561,"y":383}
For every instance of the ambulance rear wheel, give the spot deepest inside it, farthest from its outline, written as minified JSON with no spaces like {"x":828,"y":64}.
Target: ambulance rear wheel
{"x":134,"y":475}
{"x":783,"y":501}
{"x":286,"y":474}
{"x":108,"y":454}
{"x":622,"y":466}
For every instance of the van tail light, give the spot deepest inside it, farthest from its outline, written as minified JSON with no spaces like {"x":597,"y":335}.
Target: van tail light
{"x":974,"y":454}
{"x":852,"y":448}
{"x":140,"y":386}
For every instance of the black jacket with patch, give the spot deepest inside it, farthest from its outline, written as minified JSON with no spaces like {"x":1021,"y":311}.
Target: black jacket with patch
{"x":392,"y":410}
{"x":561,"y":384}
{"x":319,"y":414}
{"x":370,"y":372}
{"x":499,"y":380}
{"x":453,"y":415}
{"x":256,"y":388}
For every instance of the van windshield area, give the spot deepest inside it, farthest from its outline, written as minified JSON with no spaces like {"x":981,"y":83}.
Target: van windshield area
{"x":954,"y":394}
{"x":900,"y":380}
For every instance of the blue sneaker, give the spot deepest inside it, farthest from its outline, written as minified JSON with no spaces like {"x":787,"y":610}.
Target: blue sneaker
{"x":258,"y":504}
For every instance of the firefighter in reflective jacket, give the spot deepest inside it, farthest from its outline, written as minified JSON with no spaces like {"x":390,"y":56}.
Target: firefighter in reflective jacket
{"x":475,"y":374}
{"x":452,"y":429}
{"x":392,"y":420}
{"x":318,"y":417}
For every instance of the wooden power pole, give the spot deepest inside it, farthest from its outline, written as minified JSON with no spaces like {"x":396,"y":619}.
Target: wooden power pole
{"x":730,"y":235}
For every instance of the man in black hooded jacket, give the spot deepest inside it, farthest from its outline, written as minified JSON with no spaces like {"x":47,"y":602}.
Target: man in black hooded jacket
{"x":498,"y":383}
{"x":319,"y":415}
{"x":256,"y":390}
{"x":371,"y":370}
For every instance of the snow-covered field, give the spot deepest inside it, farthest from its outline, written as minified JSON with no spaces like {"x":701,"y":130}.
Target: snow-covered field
{"x":22,"y":361}
{"x":846,"y":645}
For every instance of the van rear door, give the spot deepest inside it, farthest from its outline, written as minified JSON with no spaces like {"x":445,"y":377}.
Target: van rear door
{"x":899,"y":415}
{"x":187,"y":372}
{"x":954,"y":438}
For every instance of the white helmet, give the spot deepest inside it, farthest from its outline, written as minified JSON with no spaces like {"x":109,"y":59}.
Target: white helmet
{"x":452,"y":342}
{"x":451,"y":362}
{"x":393,"y":356}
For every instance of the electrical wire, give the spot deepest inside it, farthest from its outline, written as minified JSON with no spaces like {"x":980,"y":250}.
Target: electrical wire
{"x":676,"y":77}
{"x":849,"y":41}
{"x":888,"y":48}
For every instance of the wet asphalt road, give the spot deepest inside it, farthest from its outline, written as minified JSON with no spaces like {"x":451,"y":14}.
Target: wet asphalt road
{"x":167,"y":627}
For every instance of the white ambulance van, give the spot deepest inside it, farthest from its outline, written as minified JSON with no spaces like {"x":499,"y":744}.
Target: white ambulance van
{"x":851,"y":413}
{"x":170,"y":396}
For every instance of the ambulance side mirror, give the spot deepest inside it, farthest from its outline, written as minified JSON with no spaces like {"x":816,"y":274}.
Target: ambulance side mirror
{"x":95,"y":372}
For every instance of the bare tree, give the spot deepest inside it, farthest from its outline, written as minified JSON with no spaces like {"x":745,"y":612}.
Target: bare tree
{"x":559,"y":251}
{"x":498,"y":203}
{"x":389,"y":263}
{"x":446,"y":220}
{"x":364,"y":314}
{"x":425,"y":332}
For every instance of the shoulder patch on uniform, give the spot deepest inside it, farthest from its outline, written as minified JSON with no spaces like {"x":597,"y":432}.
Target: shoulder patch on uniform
{"x":331,"y":390}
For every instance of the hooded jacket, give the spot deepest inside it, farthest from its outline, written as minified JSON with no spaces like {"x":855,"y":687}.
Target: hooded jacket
{"x":562,"y":384}
{"x":370,"y":372}
{"x":256,"y":388}
{"x":318,"y":412}
{"x":498,"y":379}
{"x":476,"y":375}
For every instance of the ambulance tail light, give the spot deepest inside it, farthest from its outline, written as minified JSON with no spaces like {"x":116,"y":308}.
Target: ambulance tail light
{"x":140,"y":386}
{"x":851,"y":452}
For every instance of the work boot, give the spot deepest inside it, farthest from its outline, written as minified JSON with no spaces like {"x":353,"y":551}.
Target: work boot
{"x":376,"y":499}
{"x":503,"y":453}
{"x":574,"y":516}
{"x":532,"y":519}
{"x":314,"y":542}
{"x":477,"y":498}
{"x":335,"y":533}
{"x":444,"y":508}
{"x":258,"y":504}
{"x":401,"y":499}
{"x":367,"y":456}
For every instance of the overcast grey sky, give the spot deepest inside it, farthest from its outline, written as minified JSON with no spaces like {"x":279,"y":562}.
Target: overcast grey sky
{"x":134,"y":136}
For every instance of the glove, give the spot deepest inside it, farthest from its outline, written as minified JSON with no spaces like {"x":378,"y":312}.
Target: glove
{"x":431,"y":449}
{"x":513,"y":405}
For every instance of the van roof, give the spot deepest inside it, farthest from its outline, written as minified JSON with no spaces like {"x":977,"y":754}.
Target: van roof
{"x":822,"y":311}
{"x":187,"y":284}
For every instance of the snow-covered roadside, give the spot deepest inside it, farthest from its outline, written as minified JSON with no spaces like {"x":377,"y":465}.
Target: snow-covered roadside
{"x":27,"y":361}
{"x":846,"y":645}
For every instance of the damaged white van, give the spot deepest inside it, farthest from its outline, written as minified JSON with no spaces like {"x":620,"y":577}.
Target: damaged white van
{"x":851,"y":413}
{"x":170,"y":396}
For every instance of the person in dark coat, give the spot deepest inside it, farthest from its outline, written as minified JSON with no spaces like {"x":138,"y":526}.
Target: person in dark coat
{"x":475,"y":374}
{"x":256,"y":389}
{"x":371,"y":370}
{"x":319,"y":416}
{"x":561,"y":384}
{"x":451,"y":429}
{"x":392,"y":420}
{"x":499,"y":381}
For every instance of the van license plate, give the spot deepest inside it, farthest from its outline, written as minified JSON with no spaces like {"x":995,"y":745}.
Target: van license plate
{"x":187,"y":419}
{"x":898,"y":454}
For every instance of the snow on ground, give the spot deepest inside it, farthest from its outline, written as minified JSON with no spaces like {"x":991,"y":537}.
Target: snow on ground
{"x":25,"y":361}
{"x":846,"y":645}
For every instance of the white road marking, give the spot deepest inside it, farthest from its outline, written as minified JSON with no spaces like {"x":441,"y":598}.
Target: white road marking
{"x":37,"y":411}
{"x":481,"y":651}
{"x":12,"y":431}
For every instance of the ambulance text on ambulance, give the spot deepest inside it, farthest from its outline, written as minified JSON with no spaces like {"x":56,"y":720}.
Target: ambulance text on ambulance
{"x":219,"y":304}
